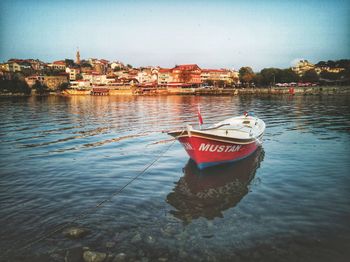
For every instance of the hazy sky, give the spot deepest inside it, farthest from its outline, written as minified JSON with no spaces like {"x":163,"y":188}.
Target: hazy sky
{"x":213,"y":34}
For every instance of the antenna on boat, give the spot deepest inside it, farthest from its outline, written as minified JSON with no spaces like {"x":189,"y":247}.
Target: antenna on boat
{"x":200,"y":119}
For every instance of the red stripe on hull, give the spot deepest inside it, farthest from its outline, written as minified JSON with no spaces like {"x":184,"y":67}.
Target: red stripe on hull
{"x":204,"y":151}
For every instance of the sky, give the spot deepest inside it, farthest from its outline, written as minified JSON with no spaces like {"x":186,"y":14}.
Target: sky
{"x":212,"y":34}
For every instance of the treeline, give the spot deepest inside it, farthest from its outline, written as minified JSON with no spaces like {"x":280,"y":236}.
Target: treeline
{"x":342,"y":63}
{"x":333,"y":76}
{"x":18,"y":86}
{"x":15,"y":86}
{"x":271,"y":76}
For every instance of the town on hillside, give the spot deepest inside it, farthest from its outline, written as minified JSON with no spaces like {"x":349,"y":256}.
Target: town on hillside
{"x":100,"y":76}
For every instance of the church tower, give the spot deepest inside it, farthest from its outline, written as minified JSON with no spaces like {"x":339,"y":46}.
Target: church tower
{"x":78,"y":57}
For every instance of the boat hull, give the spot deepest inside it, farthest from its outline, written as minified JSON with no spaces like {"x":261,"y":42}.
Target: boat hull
{"x":208,"y":152}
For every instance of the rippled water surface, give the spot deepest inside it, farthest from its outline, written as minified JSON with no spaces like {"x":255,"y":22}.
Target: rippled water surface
{"x":61,"y":156}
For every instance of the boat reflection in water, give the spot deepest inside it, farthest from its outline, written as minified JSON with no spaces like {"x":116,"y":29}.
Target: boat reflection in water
{"x":206,"y":193}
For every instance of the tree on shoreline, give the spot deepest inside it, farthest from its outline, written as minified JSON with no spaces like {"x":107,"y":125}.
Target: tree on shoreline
{"x":310,"y":76}
{"x":271,"y":76}
{"x":246,"y":75}
{"x":268,"y":76}
{"x":63,"y":86}
{"x":40,"y":88}
{"x":288,"y":76}
{"x":14,"y":86}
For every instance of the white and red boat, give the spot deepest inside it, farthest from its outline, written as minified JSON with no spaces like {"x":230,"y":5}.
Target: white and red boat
{"x":227,"y":141}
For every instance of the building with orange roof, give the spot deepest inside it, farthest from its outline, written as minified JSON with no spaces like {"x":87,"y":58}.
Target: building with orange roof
{"x":228,"y":76}
{"x":58,"y":65}
{"x":164,"y":76}
{"x":188,"y":73}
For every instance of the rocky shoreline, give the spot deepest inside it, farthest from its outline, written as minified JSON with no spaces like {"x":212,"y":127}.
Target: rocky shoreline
{"x":145,"y":248}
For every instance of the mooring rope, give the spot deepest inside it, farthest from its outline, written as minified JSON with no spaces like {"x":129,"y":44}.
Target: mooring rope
{"x":100,"y":204}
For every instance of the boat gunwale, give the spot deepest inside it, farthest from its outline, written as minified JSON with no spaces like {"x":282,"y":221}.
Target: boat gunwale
{"x":180,"y":134}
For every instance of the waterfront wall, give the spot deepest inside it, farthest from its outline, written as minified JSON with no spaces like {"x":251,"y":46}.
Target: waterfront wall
{"x":121,"y":92}
{"x":127,"y":91}
{"x":252,"y":91}
{"x":279,"y":91}
{"x":76,"y":92}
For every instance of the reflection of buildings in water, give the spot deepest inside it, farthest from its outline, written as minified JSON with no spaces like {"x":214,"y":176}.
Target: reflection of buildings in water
{"x":208,"y":192}
{"x":183,"y":109}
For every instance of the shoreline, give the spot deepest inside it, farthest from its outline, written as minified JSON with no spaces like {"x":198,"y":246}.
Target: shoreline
{"x":316,"y":90}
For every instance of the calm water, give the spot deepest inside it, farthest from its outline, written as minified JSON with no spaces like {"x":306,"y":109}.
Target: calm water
{"x":60,"y":156}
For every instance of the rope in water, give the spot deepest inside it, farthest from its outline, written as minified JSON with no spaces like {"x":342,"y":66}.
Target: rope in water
{"x":100,"y":204}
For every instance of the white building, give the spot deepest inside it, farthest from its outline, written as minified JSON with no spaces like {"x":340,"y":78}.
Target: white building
{"x":302,"y":66}
{"x":80,"y":84}
{"x":98,"y":79}
{"x":58,"y":65}
{"x":117,"y":64}
{"x":73,"y":72}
